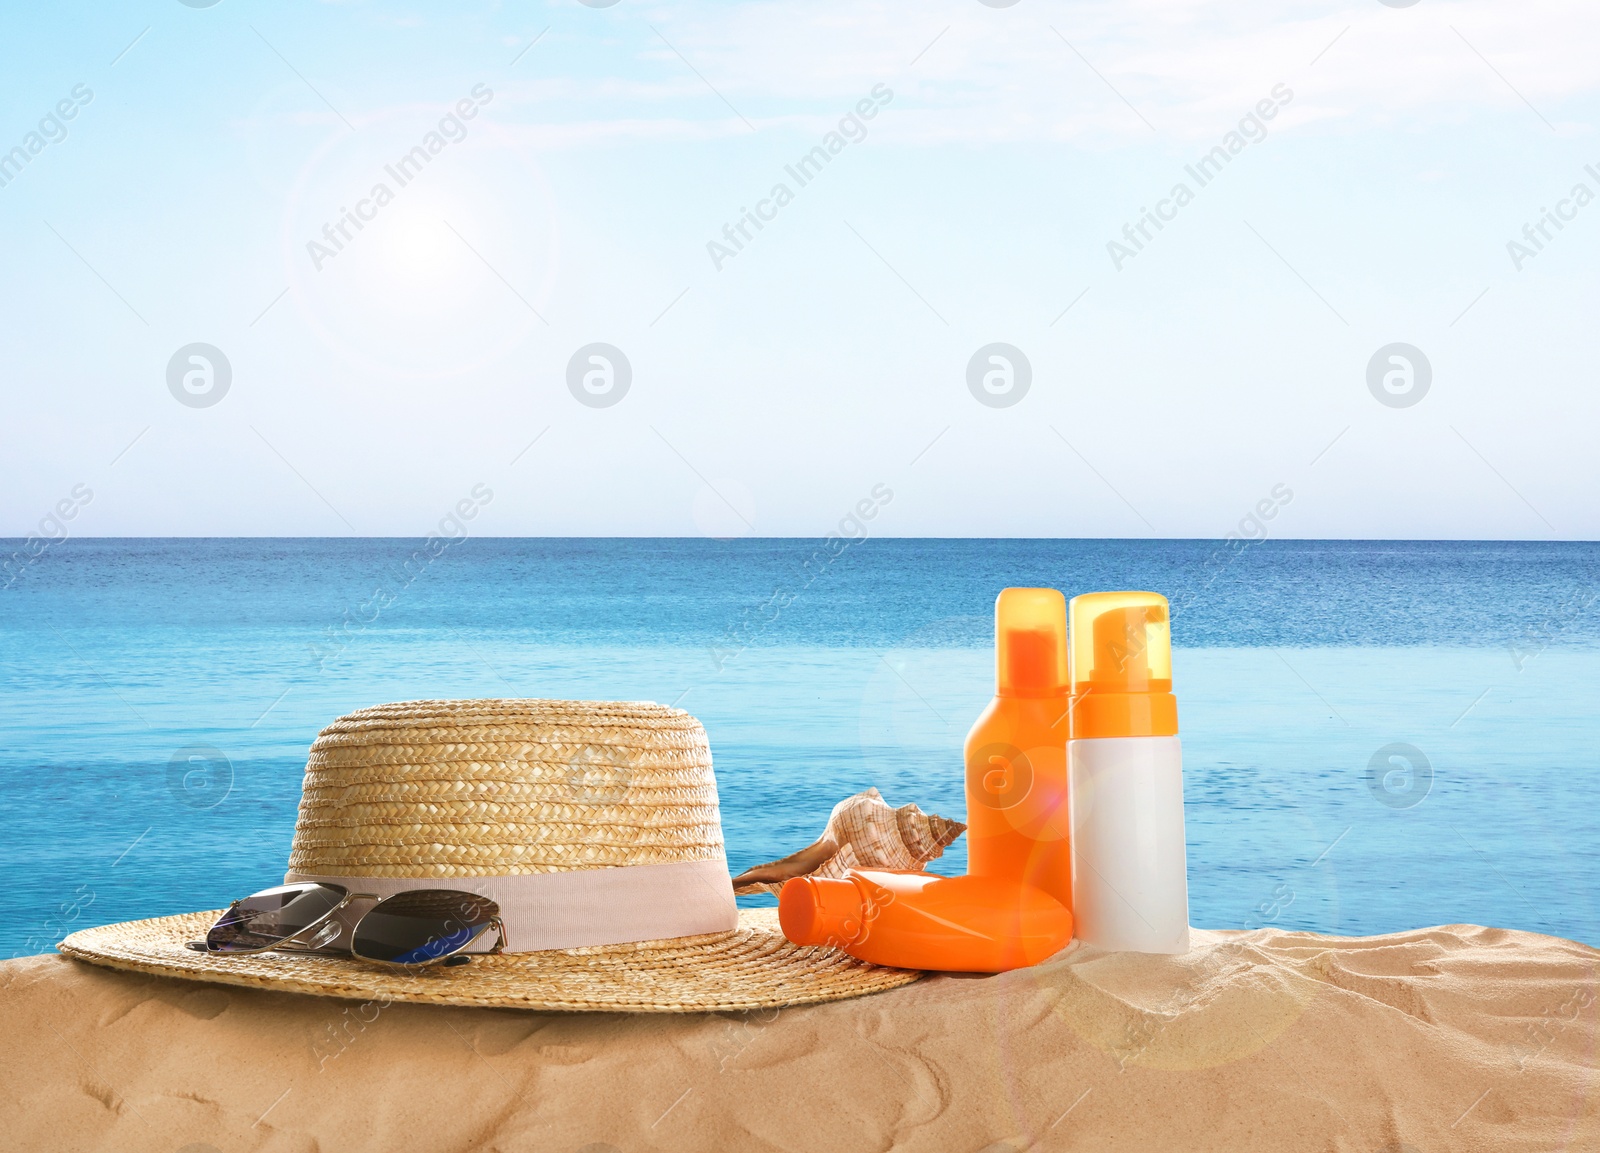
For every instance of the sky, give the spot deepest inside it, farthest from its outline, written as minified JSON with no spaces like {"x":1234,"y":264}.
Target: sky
{"x":1116,"y":269}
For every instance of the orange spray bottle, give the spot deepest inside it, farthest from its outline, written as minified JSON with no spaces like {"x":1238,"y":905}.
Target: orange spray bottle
{"x":1018,"y":824}
{"x":1014,"y":907}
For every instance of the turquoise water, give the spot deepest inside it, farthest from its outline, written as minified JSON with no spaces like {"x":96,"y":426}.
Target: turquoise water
{"x":816,"y":675}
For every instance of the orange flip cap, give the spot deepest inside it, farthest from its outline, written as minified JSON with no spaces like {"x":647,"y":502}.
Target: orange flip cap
{"x":1031,"y":643}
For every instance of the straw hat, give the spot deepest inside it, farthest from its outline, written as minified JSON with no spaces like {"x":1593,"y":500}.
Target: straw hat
{"x":593,"y":824}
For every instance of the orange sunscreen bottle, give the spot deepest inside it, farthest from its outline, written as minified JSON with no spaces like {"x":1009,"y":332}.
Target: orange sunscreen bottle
{"x":920,"y":921}
{"x":1130,"y":887}
{"x":1017,"y":816}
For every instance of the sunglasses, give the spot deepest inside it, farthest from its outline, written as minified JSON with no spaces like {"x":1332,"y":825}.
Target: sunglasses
{"x":411,"y":929}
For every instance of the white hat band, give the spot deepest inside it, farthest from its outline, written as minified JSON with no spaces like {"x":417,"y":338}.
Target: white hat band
{"x":575,"y":908}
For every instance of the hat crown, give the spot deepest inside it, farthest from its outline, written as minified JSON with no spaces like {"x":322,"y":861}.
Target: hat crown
{"x":495,"y":787}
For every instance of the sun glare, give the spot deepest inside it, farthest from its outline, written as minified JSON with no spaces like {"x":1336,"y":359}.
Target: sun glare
{"x":415,"y":246}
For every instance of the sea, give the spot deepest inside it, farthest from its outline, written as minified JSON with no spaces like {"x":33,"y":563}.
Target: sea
{"x":1377,"y":735}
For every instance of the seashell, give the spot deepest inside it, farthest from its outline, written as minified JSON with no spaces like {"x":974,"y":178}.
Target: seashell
{"x":863,"y":832}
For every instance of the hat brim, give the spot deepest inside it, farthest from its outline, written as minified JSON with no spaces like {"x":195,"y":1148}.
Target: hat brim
{"x":751,"y":967}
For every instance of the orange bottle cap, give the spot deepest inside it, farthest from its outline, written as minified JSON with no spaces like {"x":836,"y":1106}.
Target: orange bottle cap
{"x":820,"y":911}
{"x":1030,"y":632}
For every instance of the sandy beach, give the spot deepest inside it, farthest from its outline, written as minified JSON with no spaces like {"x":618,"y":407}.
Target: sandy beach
{"x":1457,"y":1037}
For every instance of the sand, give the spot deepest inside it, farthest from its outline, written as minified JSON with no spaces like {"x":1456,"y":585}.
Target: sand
{"x":1447,"y":1038}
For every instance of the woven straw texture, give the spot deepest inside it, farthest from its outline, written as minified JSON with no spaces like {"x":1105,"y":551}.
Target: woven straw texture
{"x":469,"y":788}
{"x":481,"y":788}
{"x":752,"y":967}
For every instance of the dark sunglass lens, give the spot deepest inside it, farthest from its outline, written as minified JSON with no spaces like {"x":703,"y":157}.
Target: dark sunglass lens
{"x":263,"y":919}
{"x":421,"y":926}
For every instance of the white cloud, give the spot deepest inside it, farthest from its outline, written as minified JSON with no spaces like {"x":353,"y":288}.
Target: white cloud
{"x":1188,"y":68}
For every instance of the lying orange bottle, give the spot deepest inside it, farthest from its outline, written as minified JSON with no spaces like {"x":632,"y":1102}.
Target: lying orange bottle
{"x":921,"y":921}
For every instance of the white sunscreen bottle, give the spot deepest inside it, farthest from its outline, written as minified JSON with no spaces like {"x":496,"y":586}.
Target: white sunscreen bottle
{"x":1130,"y":888}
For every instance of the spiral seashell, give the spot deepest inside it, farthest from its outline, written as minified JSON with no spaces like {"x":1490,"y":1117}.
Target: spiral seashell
{"x":863,"y":832}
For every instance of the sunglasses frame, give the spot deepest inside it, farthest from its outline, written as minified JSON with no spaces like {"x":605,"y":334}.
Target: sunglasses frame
{"x":346,"y":898}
